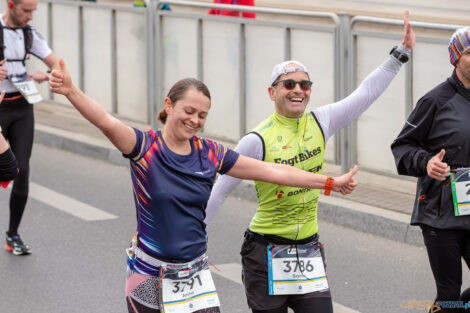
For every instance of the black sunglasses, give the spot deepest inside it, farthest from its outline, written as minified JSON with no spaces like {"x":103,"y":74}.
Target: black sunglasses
{"x":290,"y":84}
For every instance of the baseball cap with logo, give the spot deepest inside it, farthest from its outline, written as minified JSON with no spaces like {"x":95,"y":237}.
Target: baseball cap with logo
{"x":459,"y":43}
{"x":283,"y":68}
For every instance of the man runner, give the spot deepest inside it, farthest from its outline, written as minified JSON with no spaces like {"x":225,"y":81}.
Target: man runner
{"x":283,"y":235}
{"x":16,"y":112}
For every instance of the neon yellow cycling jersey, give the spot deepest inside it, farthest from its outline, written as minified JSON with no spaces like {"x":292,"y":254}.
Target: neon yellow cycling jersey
{"x":289,"y":212}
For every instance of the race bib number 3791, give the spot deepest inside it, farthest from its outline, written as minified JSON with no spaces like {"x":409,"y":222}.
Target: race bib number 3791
{"x":295,"y":269}
{"x":189,"y":291}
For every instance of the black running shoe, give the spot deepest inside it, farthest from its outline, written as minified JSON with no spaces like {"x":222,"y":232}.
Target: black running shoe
{"x":15,"y":245}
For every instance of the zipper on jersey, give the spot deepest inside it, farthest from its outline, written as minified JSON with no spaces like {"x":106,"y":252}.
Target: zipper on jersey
{"x":301,"y":149}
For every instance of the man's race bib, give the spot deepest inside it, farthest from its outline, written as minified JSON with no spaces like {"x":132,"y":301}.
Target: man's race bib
{"x":295,"y":269}
{"x":189,"y":290}
{"x":27,"y":88}
{"x":460,"y":183}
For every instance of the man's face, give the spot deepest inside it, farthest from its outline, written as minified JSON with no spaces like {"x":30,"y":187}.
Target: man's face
{"x":463,"y":68}
{"x":22,"y":12}
{"x":290,"y":103}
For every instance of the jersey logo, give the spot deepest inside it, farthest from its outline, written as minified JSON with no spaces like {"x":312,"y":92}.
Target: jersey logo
{"x":279,"y":193}
{"x":202,"y":173}
{"x":301,"y":157}
{"x":315,"y":169}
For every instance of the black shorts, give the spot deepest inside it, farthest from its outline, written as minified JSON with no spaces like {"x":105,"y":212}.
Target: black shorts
{"x":255,"y":278}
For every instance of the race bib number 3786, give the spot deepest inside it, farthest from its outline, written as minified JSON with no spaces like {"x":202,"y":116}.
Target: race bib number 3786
{"x":188,"y":292}
{"x":295,"y":269}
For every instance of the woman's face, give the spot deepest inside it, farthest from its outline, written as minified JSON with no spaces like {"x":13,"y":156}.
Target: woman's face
{"x":188,"y":115}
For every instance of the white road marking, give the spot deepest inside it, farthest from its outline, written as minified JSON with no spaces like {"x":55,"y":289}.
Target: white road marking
{"x":233,"y":272}
{"x":68,"y":205}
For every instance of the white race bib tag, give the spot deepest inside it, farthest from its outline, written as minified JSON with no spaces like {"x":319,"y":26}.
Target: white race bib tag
{"x":187,"y":291}
{"x":460,"y":184}
{"x":27,"y":88}
{"x":295,"y":269}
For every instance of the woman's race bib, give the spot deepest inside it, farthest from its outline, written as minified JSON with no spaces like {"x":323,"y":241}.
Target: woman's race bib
{"x":189,"y":290}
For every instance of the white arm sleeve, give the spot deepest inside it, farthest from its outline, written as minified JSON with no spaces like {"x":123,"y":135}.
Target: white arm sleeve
{"x":250,"y":146}
{"x":336,"y":115}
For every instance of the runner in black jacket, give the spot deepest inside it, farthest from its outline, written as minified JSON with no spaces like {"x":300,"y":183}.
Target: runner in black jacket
{"x":434,"y":141}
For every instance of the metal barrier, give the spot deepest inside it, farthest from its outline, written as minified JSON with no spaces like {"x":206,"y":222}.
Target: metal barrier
{"x":253,"y":64}
{"x":369,"y":145}
{"x":129,"y":62}
{"x":104,"y":54}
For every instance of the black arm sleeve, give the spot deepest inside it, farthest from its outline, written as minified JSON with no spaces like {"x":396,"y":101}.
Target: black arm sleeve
{"x":8,"y":166}
{"x":411,"y":156}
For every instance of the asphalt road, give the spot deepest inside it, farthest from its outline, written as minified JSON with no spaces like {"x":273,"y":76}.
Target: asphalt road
{"x":80,"y":218}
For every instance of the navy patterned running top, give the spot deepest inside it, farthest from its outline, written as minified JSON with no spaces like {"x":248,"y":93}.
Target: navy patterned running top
{"x":171,"y":193}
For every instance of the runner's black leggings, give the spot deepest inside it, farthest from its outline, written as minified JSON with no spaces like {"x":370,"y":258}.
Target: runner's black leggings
{"x":446,"y":248}
{"x":310,"y":305}
{"x":17,"y":121}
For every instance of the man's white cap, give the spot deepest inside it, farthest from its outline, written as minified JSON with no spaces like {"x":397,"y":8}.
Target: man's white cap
{"x":282,"y":68}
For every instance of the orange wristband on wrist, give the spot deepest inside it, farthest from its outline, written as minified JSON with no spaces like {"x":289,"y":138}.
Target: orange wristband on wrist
{"x":329,"y":185}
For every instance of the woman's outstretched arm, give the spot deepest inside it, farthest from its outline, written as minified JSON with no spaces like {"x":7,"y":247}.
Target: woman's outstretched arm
{"x":120,"y":135}
{"x":252,"y":169}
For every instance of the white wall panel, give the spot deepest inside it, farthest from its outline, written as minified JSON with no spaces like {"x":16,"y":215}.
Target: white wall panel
{"x":179,"y":51}
{"x":65,"y":40}
{"x":431,"y":67}
{"x":264,"y":49}
{"x":39,"y":21}
{"x":221,"y":67}
{"x":97,"y":55}
{"x":131,"y":66}
{"x":380,"y":124}
{"x":316,"y":51}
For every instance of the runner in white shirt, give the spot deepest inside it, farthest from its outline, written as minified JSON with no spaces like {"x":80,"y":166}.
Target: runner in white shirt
{"x":16,"y":113}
